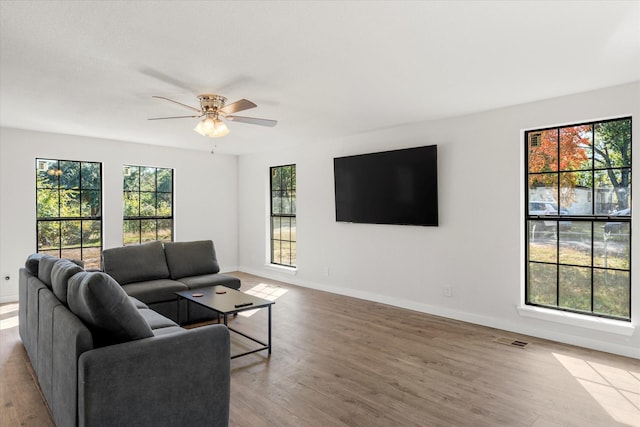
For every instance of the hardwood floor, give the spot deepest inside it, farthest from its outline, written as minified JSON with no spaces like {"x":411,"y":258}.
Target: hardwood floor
{"x":340,"y":361}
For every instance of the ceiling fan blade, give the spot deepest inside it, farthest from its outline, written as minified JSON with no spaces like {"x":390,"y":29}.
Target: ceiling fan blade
{"x":175,"y":117}
{"x":241,"y":105}
{"x":253,"y":120}
{"x":179,"y":103}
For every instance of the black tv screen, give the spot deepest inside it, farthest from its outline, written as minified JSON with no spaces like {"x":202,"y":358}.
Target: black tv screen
{"x":390,"y":187}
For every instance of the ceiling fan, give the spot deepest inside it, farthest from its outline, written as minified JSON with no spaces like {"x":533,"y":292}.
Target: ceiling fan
{"x":212,"y":109}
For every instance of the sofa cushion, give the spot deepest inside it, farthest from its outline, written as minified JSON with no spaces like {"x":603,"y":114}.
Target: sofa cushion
{"x":196,"y":282}
{"x":135,"y":263}
{"x":33,"y":261}
{"x":153,"y":291}
{"x":103,"y":305}
{"x":156,"y":320}
{"x":45,"y":266}
{"x":61,"y":272}
{"x":187,"y":259}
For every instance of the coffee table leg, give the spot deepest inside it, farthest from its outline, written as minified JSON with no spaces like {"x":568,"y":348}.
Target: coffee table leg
{"x":269,"y":329}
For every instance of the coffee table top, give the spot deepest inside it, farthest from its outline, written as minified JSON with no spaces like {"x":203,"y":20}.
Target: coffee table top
{"x":231,"y":301}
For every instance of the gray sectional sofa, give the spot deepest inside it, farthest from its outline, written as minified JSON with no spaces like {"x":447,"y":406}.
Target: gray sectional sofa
{"x":104,"y":358}
{"x":152,"y":272}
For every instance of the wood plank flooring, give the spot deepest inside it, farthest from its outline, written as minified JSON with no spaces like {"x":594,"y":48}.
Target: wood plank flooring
{"x":340,"y":361}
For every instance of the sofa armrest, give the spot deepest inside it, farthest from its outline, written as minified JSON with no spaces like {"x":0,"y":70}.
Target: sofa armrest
{"x":180,"y":379}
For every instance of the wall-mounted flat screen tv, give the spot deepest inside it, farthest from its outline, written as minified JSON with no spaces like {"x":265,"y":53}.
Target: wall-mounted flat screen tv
{"x":390,"y":187}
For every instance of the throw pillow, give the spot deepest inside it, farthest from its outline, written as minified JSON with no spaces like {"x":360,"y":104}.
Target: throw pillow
{"x":99,"y":301}
{"x":61,"y":272}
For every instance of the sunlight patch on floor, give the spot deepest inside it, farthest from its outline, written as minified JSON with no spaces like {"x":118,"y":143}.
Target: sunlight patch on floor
{"x":616,"y":390}
{"x":7,"y":321}
{"x":8,"y":308}
{"x":264,"y":291}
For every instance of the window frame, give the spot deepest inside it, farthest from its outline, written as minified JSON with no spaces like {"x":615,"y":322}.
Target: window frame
{"x":140,"y":217}
{"x":291,"y":217}
{"x":594,"y":219}
{"x":53,"y":167}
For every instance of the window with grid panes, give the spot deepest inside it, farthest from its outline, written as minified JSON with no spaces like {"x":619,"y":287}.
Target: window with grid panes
{"x":69,"y":210}
{"x":283,"y":215}
{"x":578,"y":221}
{"x":148,"y":204}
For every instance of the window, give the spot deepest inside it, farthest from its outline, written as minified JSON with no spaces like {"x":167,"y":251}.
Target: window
{"x":283,"y":215}
{"x":578,"y":221}
{"x":148,"y":204}
{"x":69,"y":210}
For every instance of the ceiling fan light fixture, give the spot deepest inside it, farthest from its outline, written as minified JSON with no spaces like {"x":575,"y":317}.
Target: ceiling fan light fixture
{"x":212,"y":127}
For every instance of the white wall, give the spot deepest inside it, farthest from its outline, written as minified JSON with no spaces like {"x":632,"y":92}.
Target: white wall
{"x":205,"y":196}
{"x":478,"y":247}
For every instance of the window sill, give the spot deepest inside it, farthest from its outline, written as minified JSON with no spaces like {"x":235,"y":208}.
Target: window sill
{"x":588,"y":322}
{"x":282,"y":269}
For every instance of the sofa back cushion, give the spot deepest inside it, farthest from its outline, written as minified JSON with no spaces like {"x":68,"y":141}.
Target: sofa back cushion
{"x":61,"y":272}
{"x":101,"y":303}
{"x":33,"y":262}
{"x":45,"y":266}
{"x":135,"y":263}
{"x":187,"y":259}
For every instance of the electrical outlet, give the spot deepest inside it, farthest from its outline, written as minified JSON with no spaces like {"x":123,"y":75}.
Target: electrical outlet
{"x":326,"y":271}
{"x":447,"y":291}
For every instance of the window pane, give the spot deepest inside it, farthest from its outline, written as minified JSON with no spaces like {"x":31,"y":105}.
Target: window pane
{"x":91,"y":233}
{"x":293,"y":229}
{"x":147,"y":204}
{"x":275,"y":227}
{"x":543,"y":194}
{"x":147,"y":179}
{"x":91,"y":176}
{"x":575,"y":243}
{"x":575,"y":288}
{"x":90,"y":203}
{"x":575,"y":193}
{"x":70,"y":177}
{"x":131,"y":203}
{"x":611,"y":293}
{"x":542,"y":284}
{"x":612,"y":190}
{"x":543,"y":157}
{"x":275,"y":252}
{"x":91,"y":257}
{"x":611,"y":245}
{"x":131,"y":176}
{"x":69,"y":203}
{"x":165,"y":180}
{"x":148,"y":230}
{"x":70,"y":232}
{"x":575,"y":147}
{"x":613,"y":144}
{"x":543,"y":245}
{"x":165,"y":232}
{"x":48,"y":203}
{"x":75,"y":253}
{"x":48,"y":235}
{"x":293,"y":253}
{"x":46,"y":176}
{"x":164,"y":204}
{"x":131,"y":231}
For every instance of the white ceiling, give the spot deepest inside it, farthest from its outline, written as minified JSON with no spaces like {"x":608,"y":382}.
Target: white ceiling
{"x":323,"y":69}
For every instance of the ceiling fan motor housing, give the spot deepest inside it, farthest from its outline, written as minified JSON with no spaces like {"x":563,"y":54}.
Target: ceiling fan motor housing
{"x":211,"y":103}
